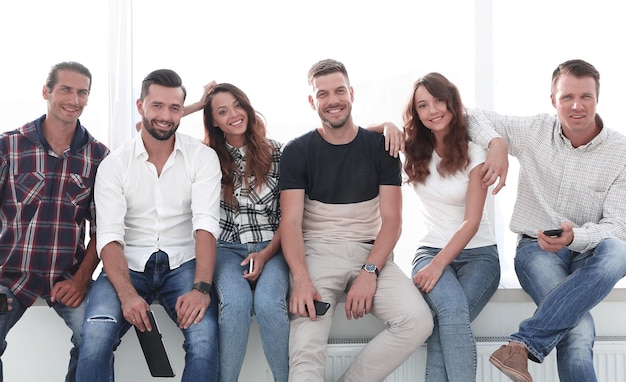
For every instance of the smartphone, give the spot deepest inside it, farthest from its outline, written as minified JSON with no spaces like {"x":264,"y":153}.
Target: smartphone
{"x":4,"y":306}
{"x":321,"y":307}
{"x":251,"y":268}
{"x":553,"y":232}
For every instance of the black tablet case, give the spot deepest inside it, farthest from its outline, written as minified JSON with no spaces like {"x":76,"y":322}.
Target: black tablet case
{"x":154,"y":350}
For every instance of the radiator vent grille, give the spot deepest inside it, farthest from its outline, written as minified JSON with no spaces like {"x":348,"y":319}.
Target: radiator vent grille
{"x":348,"y":341}
{"x":609,"y":360}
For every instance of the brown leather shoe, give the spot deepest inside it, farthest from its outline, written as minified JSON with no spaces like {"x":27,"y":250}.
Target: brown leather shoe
{"x":512,"y":361}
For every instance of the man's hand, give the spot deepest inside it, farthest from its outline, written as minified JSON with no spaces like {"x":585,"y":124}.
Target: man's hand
{"x":556,"y":243}
{"x":496,"y":166}
{"x":134,"y":309}
{"x":359,"y":297}
{"x":68,"y":292}
{"x":301,"y":299}
{"x":190,"y":308}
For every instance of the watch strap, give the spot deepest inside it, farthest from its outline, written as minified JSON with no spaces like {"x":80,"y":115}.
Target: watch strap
{"x":371,"y":268}
{"x":203,"y":287}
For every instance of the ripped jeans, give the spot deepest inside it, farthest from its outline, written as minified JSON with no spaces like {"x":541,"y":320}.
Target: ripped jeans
{"x":105,"y":325}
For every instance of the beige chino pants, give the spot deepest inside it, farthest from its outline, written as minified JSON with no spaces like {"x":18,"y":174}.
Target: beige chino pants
{"x":397,"y":302}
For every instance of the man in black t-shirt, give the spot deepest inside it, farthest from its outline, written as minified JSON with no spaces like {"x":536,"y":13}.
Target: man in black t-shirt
{"x":341,"y":212}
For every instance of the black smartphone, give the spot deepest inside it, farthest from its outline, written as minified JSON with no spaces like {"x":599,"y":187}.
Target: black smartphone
{"x":251,"y":266}
{"x":553,"y":232}
{"x":321,"y":307}
{"x":4,"y":305}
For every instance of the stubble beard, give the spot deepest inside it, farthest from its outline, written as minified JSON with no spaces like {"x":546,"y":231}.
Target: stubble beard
{"x":335,"y":125}
{"x":156,"y":134}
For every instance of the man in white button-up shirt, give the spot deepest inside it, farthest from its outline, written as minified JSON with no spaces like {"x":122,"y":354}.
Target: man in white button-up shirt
{"x":157,"y":208}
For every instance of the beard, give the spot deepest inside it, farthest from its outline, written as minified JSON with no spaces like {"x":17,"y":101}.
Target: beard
{"x":336,"y":124}
{"x":155,"y":133}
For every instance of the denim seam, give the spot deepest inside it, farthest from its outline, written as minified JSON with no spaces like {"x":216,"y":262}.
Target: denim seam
{"x":533,"y":354}
{"x":469,"y":308}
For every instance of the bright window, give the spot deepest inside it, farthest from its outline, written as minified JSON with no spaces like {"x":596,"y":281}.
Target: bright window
{"x":500,"y":55}
{"x":39,"y":34}
{"x":530,"y":40}
{"x":267,"y":47}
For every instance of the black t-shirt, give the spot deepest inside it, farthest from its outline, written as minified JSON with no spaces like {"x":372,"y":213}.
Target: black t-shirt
{"x":338,"y":174}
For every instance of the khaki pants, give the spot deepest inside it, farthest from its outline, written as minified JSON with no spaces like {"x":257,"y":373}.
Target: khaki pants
{"x":397,"y":302}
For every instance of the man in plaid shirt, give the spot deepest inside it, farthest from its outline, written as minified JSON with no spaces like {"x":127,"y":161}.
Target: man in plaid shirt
{"x":47,"y":172}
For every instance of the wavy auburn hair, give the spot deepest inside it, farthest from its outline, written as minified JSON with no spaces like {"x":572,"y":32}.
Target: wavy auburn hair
{"x":259,"y":151}
{"x":420,"y":142}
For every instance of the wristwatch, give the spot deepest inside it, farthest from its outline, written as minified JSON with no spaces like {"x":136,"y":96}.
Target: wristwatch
{"x":202,"y":287}
{"x":371,"y":268}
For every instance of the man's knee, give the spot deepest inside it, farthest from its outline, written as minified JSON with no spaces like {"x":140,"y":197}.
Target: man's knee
{"x":415,"y":324}
{"x":100,"y":329}
{"x":612,"y":253}
{"x":202,"y":337}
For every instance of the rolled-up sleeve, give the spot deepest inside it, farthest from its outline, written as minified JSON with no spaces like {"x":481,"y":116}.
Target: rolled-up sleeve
{"x":205,"y":192}
{"x":110,"y":203}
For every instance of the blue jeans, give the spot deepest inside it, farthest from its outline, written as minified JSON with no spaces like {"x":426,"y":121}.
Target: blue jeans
{"x":105,"y":325}
{"x":463,"y":290}
{"x":73,"y":318}
{"x":238,"y":300}
{"x":566,"y":285}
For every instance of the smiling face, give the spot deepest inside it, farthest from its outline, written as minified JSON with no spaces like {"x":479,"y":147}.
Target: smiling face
{"x":575,"y":100}
{"x":161,"y":110}
{"x":230,"y":117}
{"x":68,"y":97}
{"x":433,"y":112}
{"x":332,"y":98}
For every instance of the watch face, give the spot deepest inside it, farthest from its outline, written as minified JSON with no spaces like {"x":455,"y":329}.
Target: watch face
{"x":370,"y":267}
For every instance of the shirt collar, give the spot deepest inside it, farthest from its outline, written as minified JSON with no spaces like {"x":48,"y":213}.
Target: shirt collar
{"x":238,"y":153}
{"x":140,"y":148}
{"x":597,"y":140}
{"x":79,"y":140}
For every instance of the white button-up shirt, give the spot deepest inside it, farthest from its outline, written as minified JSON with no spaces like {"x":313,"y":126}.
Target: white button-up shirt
{"x":146,"y":212}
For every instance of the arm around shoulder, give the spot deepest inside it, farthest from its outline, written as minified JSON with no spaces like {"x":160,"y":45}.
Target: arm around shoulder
{"x":480,"y":128}
{"x":394,"y":137}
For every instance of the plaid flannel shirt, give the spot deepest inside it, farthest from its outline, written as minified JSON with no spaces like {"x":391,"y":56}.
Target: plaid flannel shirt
{"x":45,"y":202}
{"x":258,"y":214}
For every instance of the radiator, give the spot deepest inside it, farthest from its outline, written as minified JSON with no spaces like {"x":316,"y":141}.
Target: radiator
{"x":609,"y":360}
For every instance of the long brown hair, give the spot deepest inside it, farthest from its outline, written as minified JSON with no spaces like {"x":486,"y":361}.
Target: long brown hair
{"x":420,"y":142}
{"x":259,"y":151}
